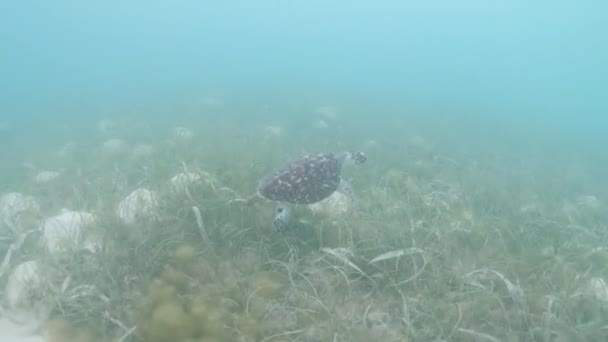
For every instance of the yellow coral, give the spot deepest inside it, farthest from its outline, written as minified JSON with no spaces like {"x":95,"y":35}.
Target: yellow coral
{"x":209,"y":339}
{"x":185,"y":253}
{"x":267,"y":284}
{"x":213,"y":324}
{"x":181,"y":307}
{"x":175,"y":277}
{"x":170,"y":322}
{"x":162,"y":292}
{"x":57,"y":329}
{"x":248,"y":326}
{"x":60,"y":330}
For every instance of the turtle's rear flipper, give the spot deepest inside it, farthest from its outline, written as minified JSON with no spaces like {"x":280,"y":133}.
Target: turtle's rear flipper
{"x":282,"y":216}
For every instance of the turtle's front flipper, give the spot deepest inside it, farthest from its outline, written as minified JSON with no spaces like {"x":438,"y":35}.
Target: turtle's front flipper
{"x":282,"y":216}
{"x":353,"y":157}
{"x":345,"y":188}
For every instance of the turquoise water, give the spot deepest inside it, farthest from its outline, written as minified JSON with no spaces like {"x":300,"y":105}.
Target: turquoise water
{"x":507,"y":58}
{"x":484,"y":123}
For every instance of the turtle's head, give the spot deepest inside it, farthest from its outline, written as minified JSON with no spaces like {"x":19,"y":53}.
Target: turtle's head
{"x":355,"y":157}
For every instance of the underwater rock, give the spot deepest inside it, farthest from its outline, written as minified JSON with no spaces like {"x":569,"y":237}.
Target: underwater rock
{"x":46,"y":176}
{"x":142,"y":151}
{"x":420,"y":142}
{"x":64,"y":231}
{"x":599,"y":289}
{"x":272,"y":131}
{"x":181,"y":181}
{"x":212,"y":102}
{"x":26,"y":293}
{"x":92,"y":243}
{"x":320,"y":124}
{"x":140,"y":205}
{"x":106,"y":126}
{"x":182,"y":133}
{"x":114,"y":146}
{"x":335,"y":205}
{"x":14,"y":205}
{"x":588,"y":202}
{"x":327,"y":112}
{"x":530,"y":208}
{"x":67,"y":149}
{"x":23,"y":278}
{"x":12,"y":332}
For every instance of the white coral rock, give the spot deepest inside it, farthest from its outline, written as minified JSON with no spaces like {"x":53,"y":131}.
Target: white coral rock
{"x":24,"y":282}
{"x":114,"y":146}
{"x":588,"y":201}
{"x":106,"y":126}
{"x":13,"y":205}
{"x":46,"y":176}
{"x":142,"y":151}
{"x":335,"y":205}
{"x":320,"y":124}
{"x":327,"y":111}
{"x":92,"y":244}
{"x":65,"y":230}
{"x":13,"y":332}
{"x":212,"y":102}
{"x":67,"y":149}
{"x":182,"y":181}
{"x":182,"y":133}
{"x":599,"y":289}
{"x":273,"y":131}
{"x":141,"y":204}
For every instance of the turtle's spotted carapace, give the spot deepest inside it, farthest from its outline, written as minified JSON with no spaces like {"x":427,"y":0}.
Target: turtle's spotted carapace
{"x":307,"y":180}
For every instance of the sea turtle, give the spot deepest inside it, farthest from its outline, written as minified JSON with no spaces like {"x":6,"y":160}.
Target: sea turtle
{"x":306,"y":180}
